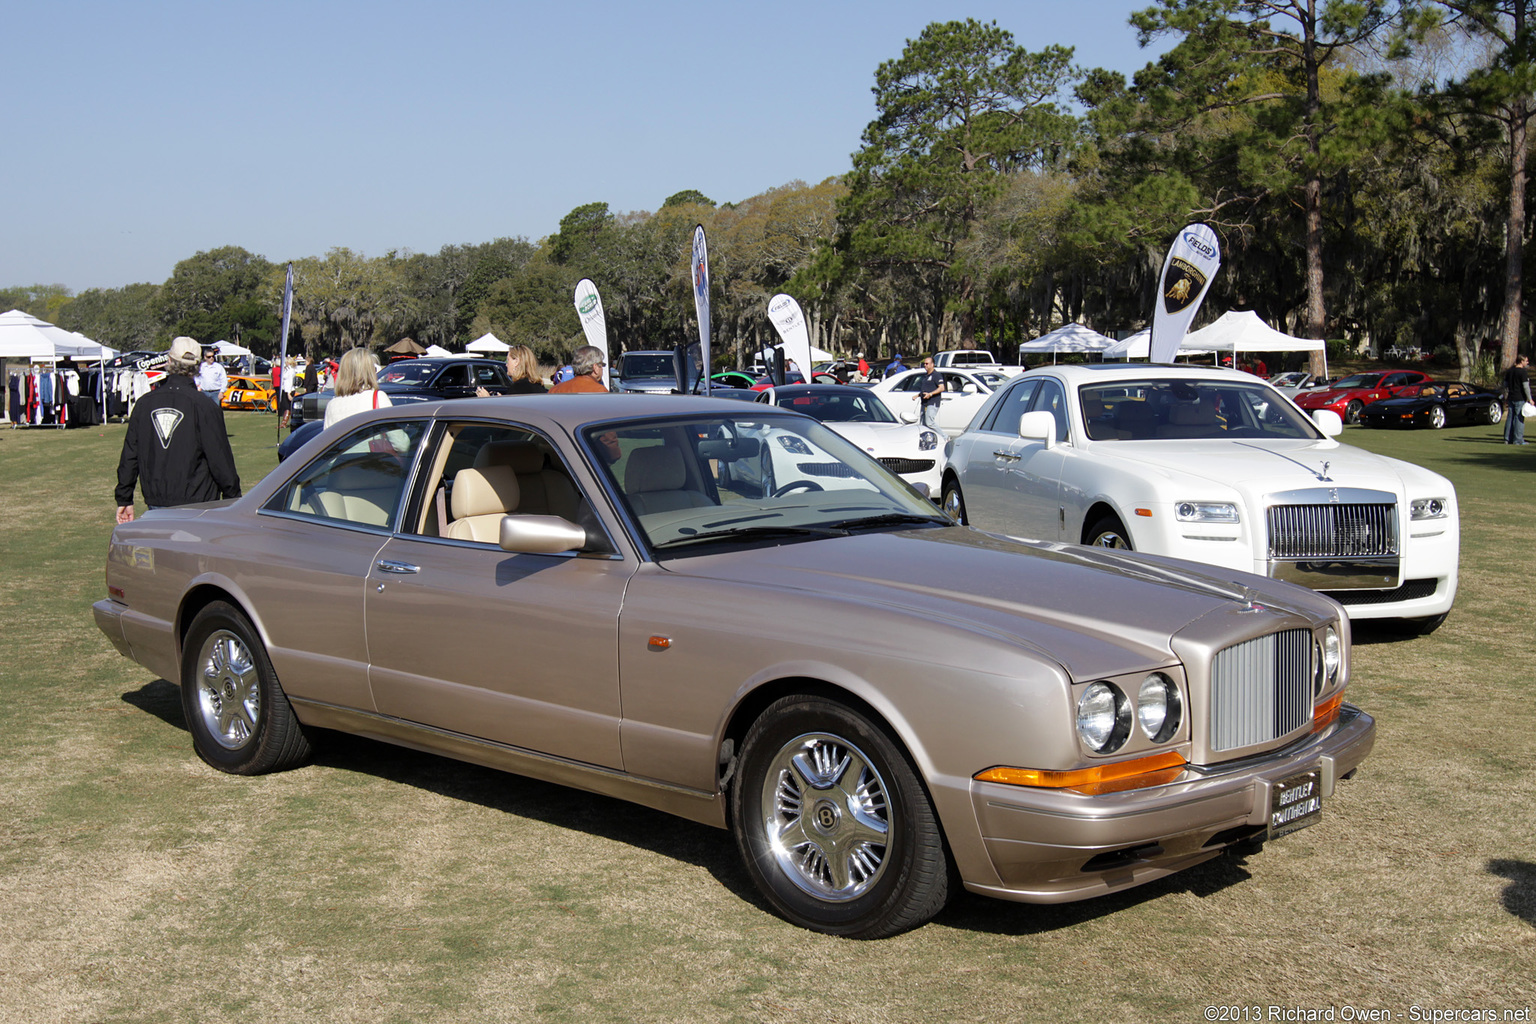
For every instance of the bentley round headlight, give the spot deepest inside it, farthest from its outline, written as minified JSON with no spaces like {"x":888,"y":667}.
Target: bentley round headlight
{"x":1333,"y":655}
{"x":1158,"y":708}
{"x":1103,"y":718}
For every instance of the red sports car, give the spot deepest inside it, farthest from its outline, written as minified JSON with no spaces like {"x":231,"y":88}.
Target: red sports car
{"x":1353,"y":393}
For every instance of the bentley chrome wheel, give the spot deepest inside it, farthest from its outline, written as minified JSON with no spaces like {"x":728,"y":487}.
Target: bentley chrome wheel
{"x":826,"y":816}
{"x":228,"y":690}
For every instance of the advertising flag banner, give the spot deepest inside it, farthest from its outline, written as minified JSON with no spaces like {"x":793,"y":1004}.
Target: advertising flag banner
{"x":589,"y":307}
{"x":1191,"y":263}
{"x":789,"y":320}
{"x":282,"y":350}
{"x":701,"y":298}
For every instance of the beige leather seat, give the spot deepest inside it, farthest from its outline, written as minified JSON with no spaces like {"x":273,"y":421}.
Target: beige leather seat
{"x":1191,"y":419}
{"x":542,"y":489}
{"x":656,"y":480}
{"x":480,"y":498}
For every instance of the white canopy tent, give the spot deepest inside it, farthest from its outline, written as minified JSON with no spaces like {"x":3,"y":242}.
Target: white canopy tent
{"x":84,"y":348}
{"x":24,"y":336}
{"x":488,"y":343}
{"x":1242,"y":331}
{"x":1139,"y":346}
{"x":1072,"y":338}
{"x":229,"y":348}
{"x":437,"y":352}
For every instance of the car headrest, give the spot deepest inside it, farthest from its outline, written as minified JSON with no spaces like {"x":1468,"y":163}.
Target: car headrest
{"x":489,"y":490}
{"x":1192,"y":414}
{"x":523,"y":456}
{"x":656,"y":468}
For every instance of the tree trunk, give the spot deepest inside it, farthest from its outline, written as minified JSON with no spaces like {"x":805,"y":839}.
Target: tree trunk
{"x":1317,"y":319}
{"x":1514,"y":242}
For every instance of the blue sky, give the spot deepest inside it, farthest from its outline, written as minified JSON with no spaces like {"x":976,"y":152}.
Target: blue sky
{"x":142,"y":133}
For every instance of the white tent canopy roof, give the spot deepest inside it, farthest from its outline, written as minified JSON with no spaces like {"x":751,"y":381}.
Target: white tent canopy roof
{"x":229,"y":348}
{"x":1070,"y":338}
{"x":1243,"y":331}
{"x":487,"y":342}
{"x":24,"y":336}
{"x":1139,"y":346}
{"x":437,"y":352}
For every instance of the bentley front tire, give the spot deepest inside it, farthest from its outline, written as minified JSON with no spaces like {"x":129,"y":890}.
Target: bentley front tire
{"x":834,"y":825}
{"x":239,"y":717}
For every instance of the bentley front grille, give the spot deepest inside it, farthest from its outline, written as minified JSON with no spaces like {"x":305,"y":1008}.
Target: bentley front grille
{"x":1332,"y":531}
{"x":1261,"y":689}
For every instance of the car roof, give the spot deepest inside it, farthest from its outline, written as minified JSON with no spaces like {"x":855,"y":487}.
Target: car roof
{"x":1095,"y":373}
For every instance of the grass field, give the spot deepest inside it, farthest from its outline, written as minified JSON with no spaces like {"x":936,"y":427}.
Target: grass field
{"x":382,"y":885}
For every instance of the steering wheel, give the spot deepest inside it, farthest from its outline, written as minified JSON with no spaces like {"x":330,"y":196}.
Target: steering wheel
{"x":798,"y":485}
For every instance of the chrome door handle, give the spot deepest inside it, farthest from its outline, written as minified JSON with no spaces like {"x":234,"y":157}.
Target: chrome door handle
{"x":401,"y":568}
{"x":1010,"y":456}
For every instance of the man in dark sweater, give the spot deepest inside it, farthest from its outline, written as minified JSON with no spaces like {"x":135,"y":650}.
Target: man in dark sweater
{"x":176,"y":446}
{"x":1517,"y":385}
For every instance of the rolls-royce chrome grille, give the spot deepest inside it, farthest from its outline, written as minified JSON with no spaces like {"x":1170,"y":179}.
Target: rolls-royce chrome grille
{"x":1332,"y":531}
{"x":1261,"y":689}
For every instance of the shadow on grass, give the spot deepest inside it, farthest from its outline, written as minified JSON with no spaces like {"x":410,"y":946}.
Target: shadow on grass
{"x":160,"y":698}
{"x":678,"y":839}
{"x":1520,"y":895}
{"x":970,"y":912}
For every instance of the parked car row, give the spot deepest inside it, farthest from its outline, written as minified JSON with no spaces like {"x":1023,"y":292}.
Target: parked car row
{"x":728,"y":611}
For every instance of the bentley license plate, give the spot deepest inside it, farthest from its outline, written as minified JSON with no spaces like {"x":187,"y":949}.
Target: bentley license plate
{"x":1295,"y":803}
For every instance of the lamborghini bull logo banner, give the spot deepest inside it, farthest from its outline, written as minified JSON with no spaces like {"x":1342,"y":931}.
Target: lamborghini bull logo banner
{"x":1187,"y":271}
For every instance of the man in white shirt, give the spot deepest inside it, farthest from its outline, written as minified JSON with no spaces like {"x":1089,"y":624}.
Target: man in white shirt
{"x":211,"y":378}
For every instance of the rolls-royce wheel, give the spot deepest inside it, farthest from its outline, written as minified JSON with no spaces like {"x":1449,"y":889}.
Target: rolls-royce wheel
{"x":1495,"y":412}
{"x":1437,"y":416}
{"x":1352,"y":410}
{"x":834,"y":825}
{"x":953,"y":501}
{"x":1108,"y":532}
{"x":239,"y":717}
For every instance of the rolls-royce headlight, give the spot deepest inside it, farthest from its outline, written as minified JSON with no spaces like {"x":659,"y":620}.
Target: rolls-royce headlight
{"x":927,"y":441}
{"x":1206,"y":512}
{"x":1158,"y":708}
{"x":1333,"y":655}
{"x":1427,"y":508}
{"x":1103,"y":718}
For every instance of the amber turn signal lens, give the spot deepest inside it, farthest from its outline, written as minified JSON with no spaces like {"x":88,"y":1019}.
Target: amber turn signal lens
{"x":1324,"y":714}
{"x":1132,"y":772}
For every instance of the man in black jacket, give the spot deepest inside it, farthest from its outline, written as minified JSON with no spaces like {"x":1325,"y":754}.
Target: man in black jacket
{"x":176,"y":446}
{"x":1517,"y":386}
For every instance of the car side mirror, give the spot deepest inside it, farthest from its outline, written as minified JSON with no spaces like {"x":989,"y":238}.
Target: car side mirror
{"x":1328,"y":422}
{"x":969,"y":389}
{"x":540,"y":535}
{"x":908,"y":415}
{"x":1038,"y":426}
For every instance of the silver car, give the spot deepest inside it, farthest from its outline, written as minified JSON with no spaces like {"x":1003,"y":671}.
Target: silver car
{"x":879,"y":704}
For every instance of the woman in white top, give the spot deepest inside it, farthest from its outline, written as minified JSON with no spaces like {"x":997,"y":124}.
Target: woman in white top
{"x":357,"y":387}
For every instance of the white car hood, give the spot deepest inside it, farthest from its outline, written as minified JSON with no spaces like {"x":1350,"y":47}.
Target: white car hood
{"x":1266,"y":466}
{"x":884,"y":438}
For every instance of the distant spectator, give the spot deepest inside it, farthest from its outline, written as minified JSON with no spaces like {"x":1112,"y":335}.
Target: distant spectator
{"x":523,"y":369}
{"x":212,"y":378}
{"x":1517,"y":385}
{"x":586,"y":373}
{"x":357,"y":387}
{"x":895,"y":366}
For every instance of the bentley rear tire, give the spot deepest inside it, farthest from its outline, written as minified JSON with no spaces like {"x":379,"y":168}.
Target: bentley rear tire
{"x":834,"y":825}
{"x":239,"y":717}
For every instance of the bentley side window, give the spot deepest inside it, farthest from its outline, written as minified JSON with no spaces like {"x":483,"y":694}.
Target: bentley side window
{"x":359,"y":479}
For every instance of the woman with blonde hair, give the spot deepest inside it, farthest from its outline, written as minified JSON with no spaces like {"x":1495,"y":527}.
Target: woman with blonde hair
{"x":523,"y":369}
{"x":357,"y":387}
